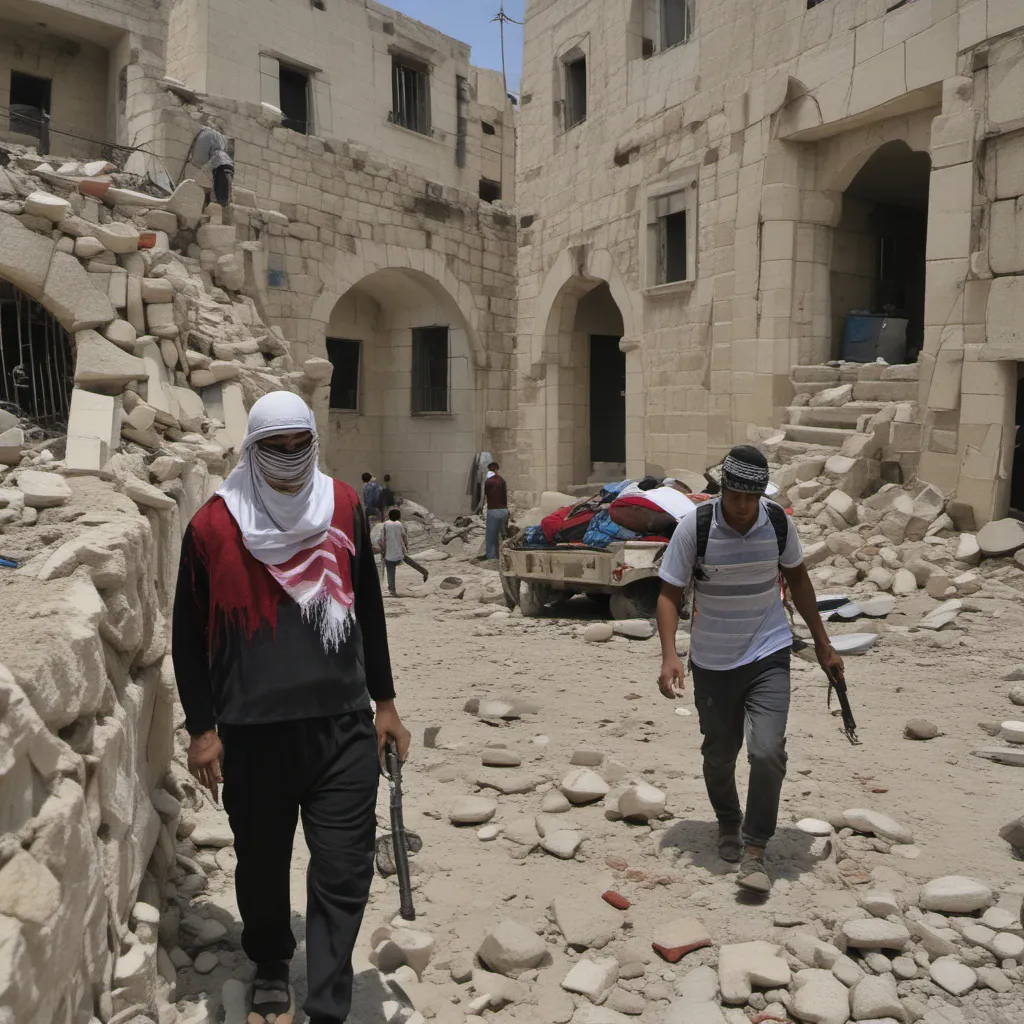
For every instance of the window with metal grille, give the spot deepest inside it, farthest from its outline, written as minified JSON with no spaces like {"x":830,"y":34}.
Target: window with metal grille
{"x":410,"y":86}
{"x":345,"y":357}
{"x":30,"y":106}
{"x":429,"y":369}
{"x":575,"y":92}
{"x":295,"y":103}
{"x":37,"y":366}
{"x":677,"y":17}
{"x":669,"y":238}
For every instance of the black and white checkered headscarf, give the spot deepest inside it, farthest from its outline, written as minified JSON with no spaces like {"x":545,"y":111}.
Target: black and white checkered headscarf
{"x":745,"y":470}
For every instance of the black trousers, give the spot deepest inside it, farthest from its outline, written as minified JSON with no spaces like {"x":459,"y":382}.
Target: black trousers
{"x":750,"y":701}
{"x":326,"y":768}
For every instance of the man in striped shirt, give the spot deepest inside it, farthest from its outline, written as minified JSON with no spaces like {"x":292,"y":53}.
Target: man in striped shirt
{"x":740,"y":644}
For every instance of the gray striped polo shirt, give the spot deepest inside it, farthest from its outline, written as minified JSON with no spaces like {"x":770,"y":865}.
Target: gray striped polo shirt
{"x":739,"y":617}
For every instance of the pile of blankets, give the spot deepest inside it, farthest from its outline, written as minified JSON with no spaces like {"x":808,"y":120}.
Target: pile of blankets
{"x":620,"y":512}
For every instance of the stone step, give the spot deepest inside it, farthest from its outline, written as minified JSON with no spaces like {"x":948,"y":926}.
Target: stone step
{"x":833,"y":437}
{"x":885,"y":391}
{"x":844,"y":416}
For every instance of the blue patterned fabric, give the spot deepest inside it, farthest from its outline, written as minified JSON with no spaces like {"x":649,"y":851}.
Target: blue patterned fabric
{"x":602,"y":531}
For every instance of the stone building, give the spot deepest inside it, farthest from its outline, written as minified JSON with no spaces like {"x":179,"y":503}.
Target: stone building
{"x":374,"y":171}
{"x":717,"y":186}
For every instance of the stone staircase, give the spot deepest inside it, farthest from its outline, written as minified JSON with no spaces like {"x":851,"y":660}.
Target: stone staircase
{"x":834,"y":403}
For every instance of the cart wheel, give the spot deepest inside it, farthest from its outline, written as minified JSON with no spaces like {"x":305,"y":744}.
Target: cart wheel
{"x":531,"y":600}
{"x":511,"y":588}
{"x":637,"y":601}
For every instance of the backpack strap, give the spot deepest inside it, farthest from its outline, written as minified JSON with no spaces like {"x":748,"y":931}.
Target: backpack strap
{"x":780,"y":523}
{"x":705,"y":513}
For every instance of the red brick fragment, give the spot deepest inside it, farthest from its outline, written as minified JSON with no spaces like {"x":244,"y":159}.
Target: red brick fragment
{"x":615,"y":899}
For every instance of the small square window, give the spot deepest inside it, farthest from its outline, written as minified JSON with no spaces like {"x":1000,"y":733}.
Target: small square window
{"x":490,"y":191}
{"x":487,"y":128}
{"x":295,"y":103}
{"x":345,"y":356}
{"x":575,"y":92}
{"x":429,"y":369}
{"x":669,"y":237}
{"x":410,"y":87}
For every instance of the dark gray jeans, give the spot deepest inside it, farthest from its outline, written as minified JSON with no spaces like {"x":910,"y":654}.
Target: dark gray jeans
{"x":751,"y":701}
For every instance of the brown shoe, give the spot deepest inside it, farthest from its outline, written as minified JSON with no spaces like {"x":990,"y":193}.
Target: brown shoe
{"x":753,"y":877}
{"x":730,"y":844}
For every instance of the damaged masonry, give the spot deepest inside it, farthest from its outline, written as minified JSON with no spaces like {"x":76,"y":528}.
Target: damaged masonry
{"x":792,"y":223}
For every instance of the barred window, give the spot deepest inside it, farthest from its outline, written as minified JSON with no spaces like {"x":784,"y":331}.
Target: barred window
{"x":410,"y":85}
{"x":430,"y":382}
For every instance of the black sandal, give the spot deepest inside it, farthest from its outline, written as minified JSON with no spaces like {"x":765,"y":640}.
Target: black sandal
{"x":270,"y":996}
{"x":730,"y":844}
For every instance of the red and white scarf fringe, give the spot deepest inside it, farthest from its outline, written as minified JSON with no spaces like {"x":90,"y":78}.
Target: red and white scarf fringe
{"x":313,"y":580}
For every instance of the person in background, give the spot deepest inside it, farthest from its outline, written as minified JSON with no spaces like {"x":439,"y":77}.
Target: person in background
{"x":740,"y":647}
{"x":372,"y":497}
{"x":394,"y":548}
{"x":279,"y":645}
{"x":496,"y":496}
{"x":387,"y":494}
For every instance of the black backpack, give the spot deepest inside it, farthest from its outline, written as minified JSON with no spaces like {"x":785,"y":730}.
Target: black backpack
{"x":705,"y":512}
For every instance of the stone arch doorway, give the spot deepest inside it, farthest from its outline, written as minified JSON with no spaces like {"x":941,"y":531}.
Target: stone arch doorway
{"x":404,"y":398}
{"x":878,"y":256}
{"x":36,"y":361}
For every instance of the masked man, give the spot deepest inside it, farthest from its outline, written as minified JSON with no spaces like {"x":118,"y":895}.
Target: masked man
{"x":279,"y":646}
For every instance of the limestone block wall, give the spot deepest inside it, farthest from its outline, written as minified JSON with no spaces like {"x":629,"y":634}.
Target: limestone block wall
{"x":339,"y":221}
{"x":759,"y":122}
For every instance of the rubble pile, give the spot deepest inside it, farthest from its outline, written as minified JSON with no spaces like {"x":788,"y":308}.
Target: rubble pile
{"x":158,"y":296}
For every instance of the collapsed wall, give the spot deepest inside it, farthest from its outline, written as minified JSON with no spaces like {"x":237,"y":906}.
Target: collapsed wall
{"x":169,"y":348}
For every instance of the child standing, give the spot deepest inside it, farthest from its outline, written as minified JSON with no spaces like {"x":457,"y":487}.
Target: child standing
{"x":394,"y":546}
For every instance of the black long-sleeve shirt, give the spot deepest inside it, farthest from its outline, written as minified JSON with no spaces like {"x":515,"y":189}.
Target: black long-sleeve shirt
{"x":282,"y":672}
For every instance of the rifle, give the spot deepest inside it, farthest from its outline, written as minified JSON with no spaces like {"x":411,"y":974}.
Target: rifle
{"x":837,"y":683}
{"x":391,"y":768}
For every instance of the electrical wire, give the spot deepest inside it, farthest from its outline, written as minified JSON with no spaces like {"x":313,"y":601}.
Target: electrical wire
{"x":43,"y":123}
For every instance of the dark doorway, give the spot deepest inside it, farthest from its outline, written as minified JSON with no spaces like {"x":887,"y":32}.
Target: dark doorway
{"x":607,"y":399}
{"x":295,"y":99}
{"x":30,"y":107}
{"x":1017,"y":475}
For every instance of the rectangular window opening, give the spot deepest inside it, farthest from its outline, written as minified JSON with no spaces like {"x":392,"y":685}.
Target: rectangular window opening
{"x":29,"y":105}
{"x":575,"y":92}
{"x":410,"y":87}
{"x":676,"y":21}
{"x":487,"y":128}
{"x":490,"y":191}
{"x":295,"y":103}
{"x":345,"y":357}
{"x":429,"y":370}
{"x":668,"y":227}
{"x":673,"y":230}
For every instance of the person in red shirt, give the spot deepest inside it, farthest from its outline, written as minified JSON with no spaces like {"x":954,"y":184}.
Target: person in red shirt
{"x":496,"y":496}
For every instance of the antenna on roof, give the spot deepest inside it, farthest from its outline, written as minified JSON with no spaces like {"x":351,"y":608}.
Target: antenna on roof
{"x":501,"y":17}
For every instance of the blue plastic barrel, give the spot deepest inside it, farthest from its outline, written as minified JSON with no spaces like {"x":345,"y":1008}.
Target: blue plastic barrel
{"x":860,"y":337}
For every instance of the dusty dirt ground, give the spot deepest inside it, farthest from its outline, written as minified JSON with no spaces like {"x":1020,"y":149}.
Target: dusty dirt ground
{"x":604,"y":697}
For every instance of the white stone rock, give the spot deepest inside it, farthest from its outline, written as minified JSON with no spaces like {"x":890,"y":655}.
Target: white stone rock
{"x":562,"y":843}
{"x":495,"y":710}
{"x":511,"y":948}
{"x":86,"y":247}
{"x":145,"y":494}
{"x":1007,"y":946}
{"x":122,"y":334}
{"x":968,"y":550}
{"x":42,"y":204}
{"x":879,"y":903}
{"x":592,"y":978}
{"x":1001,"y":537}
{"x":832,"y":398}
{"x":642,"y":801}
{"x":157,"y":289}
{"x":586,"y":922}
{"x":555,"y":802}
{"x":995,"y":979}
{"x":598,"y":633}
{"x":873,"y":822}
{"x":956,"y":978}
{"x":874,"y":933}
{"x":472,"y":810}
{"x":814,"y":827}
{"x":43,"y":490}
{"x":587,"y":1014}
{"x":1000,"y":920}
{"x":215,"y":835}
{"x":875,"y":997}
{"x":1012,"y":732}
{"x":942,"y":616}
{"x":583,"y":786}
{"x":404,"y":947}
{"x":500,"y":989}
{"x":489,"y":833}
{"x":904,"y":583}
{"x":844,"y":507}
{"x":820,"y":998}
{"x":118,"y":237}
{"x":746,"y":964}
{"x":634,"y":629}
{"x":205,"y":962}
{"x":955,"y":894}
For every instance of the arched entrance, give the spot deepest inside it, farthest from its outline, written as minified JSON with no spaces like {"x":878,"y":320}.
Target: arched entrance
{"x":878,"y":255}
{"x":403,"y":393}
{"x":36,"y":361}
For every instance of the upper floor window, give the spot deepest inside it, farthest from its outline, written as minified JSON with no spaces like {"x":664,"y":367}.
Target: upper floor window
{"x":344,"y":356}
{"x":575,"y":105}
{"x":671,"y":238}
{"x":430,"y":384}
{"x":676,"y":21}
{"x":410,"y":87}
{"x":295,"y":100}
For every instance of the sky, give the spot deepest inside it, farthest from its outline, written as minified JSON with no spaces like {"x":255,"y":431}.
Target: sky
{"x":470,"y":22}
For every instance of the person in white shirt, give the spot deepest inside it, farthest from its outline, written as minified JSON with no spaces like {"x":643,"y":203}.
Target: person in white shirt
{"x":394,"y":547}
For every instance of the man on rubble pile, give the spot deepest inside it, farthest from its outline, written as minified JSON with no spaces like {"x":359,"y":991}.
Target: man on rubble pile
{"x":732,"y":549}
{"x":279,"y":646}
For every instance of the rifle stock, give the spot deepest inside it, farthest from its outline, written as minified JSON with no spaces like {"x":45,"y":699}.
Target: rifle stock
{"x":398,"y":837}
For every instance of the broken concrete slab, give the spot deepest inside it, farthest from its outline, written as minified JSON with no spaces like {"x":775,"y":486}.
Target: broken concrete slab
{"x":118,"y":237}
{"x":71,"y":297}
{"x":102,"y":367}
{"x":43,"y":490}
{"x":24,"y":256}
{"x":47,"y":206}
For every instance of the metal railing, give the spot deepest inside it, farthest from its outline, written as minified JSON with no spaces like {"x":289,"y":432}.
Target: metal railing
{"x":36,"y":361}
